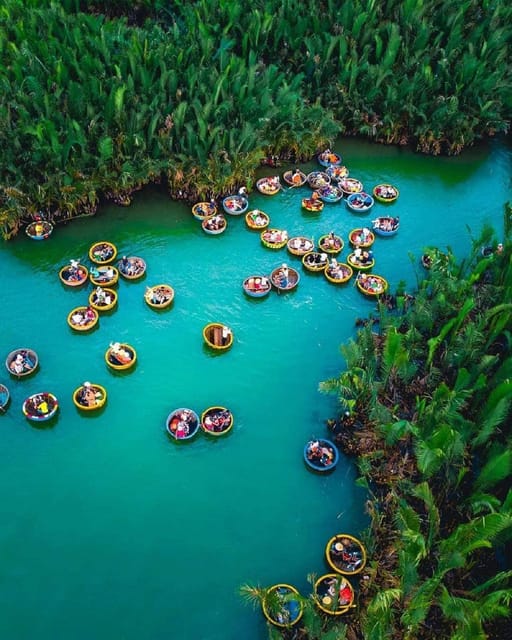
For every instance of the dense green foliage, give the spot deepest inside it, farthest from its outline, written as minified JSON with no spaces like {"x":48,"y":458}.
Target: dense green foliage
{"x":430,"y":397}
{"x":196,"y":93}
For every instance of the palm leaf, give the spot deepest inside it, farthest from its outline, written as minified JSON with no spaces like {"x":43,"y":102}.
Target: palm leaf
{"x":498,"y":468}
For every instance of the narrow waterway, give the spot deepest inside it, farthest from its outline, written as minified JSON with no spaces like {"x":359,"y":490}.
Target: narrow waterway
{"x":112,"y":530}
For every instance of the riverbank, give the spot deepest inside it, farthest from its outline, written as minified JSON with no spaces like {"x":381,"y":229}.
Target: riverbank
{"x":427,"y":419}
{"x":141,"y":105}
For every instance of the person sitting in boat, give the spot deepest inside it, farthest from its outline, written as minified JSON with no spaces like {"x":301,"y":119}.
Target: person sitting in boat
{"x":328,"y":156}
{"x":386,"y":191}
{"x":39,"y":228}
{"x":182,"y":429}
{"x":297,"y":177}
{"x":87,"y":395}
{"x":331,"y":587}
{"x":138,"y":266}
{"x":258,"y":218}
{"x":256,"y":284}
{"x":89,"y":315}
{"x":17,"y":365}
{"x":74,"y":273}
{"x":366,"y":257}
{"x":241,"y":192}
{"x":218,"y":421}
{"x":119,"y":353}
{"x":332,"y":240}
{"x":339,"y":272}
{"x":125,"y":264}
{"x":100,"y":296}
{"x":278,"y":236}
{"x":209,"y":423}
{"x":77,"y":318}
{"x":314,"y":451}
{"x":215,"y":223}
{"x":153,"y":295}
{"x":226,"y":333}
{"x":345,"y":594}
{"x":326,"y":456}
{"x":163,"y":294}
{"x":41,"y":404}
{"x":284,"y":273}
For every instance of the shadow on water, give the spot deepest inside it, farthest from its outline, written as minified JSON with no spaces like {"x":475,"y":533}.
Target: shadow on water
{"x":215,"y":353}
{"x":43,"y":425}
{"x":95,"y":414}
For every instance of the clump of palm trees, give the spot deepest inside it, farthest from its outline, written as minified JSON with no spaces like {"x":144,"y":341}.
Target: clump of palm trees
{"x":97,"y":105}
{"x":429,"y":400}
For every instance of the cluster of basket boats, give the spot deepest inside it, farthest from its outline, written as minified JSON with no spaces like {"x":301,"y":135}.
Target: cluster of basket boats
{"x":333,"y":592}
{"x":329,"y":186}
{"x":103,"y":274}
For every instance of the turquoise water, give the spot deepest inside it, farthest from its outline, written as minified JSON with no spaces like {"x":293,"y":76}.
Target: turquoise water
{"x":111,"y":530}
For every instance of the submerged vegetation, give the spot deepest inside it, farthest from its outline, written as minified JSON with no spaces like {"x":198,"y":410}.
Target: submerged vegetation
{"x":100,"y":98}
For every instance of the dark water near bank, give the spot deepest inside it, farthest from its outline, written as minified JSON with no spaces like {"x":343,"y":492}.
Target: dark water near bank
{"x":110,"y":530}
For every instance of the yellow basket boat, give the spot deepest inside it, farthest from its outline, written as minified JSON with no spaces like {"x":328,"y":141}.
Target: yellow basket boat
{"x":120,"y":356}
{"x":217,"y":421}
{"x":371,"y":284}
{"x":89,"y":396}
{"x":218,"y":336}
{"x":338,"y":273}
{"x":282,"y":605}
{"x":274,"y":238}
{"x":103,"y":299}
{"x":104,"y":276}
{"x":83,"y":318}
{"x":160,"y":296}
{"x":345,"y":554}
{"x":102,"y":252}
{"x":333,"y":594}
{"x":74,"y":274}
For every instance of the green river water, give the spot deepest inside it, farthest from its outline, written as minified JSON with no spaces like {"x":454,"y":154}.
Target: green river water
{"x":111,"y":530}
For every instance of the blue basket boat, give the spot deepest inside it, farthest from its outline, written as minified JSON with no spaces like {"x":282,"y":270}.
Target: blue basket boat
{"x":235,"y":205}
{"x":182,"y":424}
{"x":386,"y":225}
{"x":360,"y":202}
{"x":328,"y":158}
{"x":321,"y":455}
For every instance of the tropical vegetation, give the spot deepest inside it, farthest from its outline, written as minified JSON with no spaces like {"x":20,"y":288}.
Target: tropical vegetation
{"x":100,"y":98}
{"x":426,"y":408}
